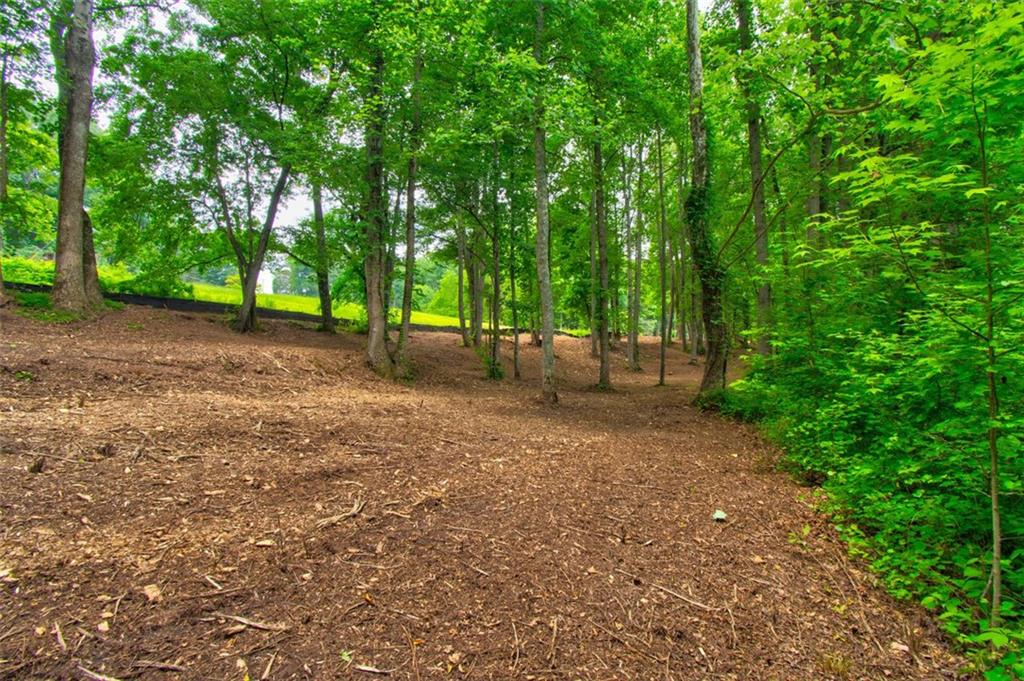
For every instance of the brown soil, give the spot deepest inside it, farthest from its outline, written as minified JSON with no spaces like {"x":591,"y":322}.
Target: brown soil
{"x":211,"y":506}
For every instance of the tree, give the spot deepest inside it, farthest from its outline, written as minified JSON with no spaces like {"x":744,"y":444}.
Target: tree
{"x":698,"y":208}
{"x":74,"y":246}
{"x":543,"y":218}
{"x":744,"y":17}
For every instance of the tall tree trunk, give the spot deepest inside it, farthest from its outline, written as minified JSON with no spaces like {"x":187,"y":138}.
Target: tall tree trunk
{"x":494,"y":368}
{"x":476,"y":291}
{"x":512,"y":272}
{"x":594,"y":350}
{"x":77,"y":58}
{"x":323,"y":284}
{"x":680,"y":270}
{"x":604,"y":380}
{"x":374,"y":218}
{"x":633,"y":344}
{"x":460,"y":234}
{"x":744,"y":15}
{"x":662,"y":265}
{"x":410,"y":215}
{"x":4,"y":173}
{"x":547,"y":306}
{"x":709,"y":269}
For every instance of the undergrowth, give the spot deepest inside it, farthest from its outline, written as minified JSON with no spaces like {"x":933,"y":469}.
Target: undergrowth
{"x":901,"y":454}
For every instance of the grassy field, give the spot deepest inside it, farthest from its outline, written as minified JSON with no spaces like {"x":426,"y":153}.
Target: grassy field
{"x":30,"y":271}
{"x":308,"y":304}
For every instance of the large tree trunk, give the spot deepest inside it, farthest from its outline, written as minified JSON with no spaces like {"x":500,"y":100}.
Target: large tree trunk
{"x":323,"y":283}
{"x":604,"y":380}
{"x":662,"y":265}
{"x":753,"y":110}
{"x":709,"y":269}
{"x":410,"y":216}
{"x":78,"y":59}
{"x":543,"y":221}
{"x":246,"y":319}
{"x":374,"y":218}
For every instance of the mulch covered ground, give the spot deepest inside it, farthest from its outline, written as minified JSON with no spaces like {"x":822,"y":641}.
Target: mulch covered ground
{"x":178,"y":501}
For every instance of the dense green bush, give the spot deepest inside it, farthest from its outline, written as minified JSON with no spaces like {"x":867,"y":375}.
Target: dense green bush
{"x":893,"y":428}
{"x":113,"y":278}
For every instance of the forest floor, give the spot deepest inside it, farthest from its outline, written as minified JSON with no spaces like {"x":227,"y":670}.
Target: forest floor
{"x":211,"y":506}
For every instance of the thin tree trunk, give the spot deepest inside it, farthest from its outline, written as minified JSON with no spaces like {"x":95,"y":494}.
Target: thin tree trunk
{"x":633,"y":347}
{"x":543,"y":222}
{"x":77,"y":59}
{"x":512,"y":274}
{"x":494,"y":369}
{"x":246,"y":319}
{"x":323,"y":284}
{"x":709,"y":269}
{"x":594,"y":350}
{"x":410,"y":216}
{"x":662,"y":265}
{"x":753,"y":111}
{"x":604,"y":380}
{"x":476,"y":291}
{"x":375,"y":263}
{"x":461,"y":237}
{"x":4,"y":174}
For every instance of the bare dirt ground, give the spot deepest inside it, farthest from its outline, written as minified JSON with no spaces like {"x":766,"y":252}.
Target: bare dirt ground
{"x":211,"y":506}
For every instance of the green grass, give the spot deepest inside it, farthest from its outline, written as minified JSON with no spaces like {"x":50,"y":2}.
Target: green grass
{"x":229,"y":295}
{"x":39,"y":307}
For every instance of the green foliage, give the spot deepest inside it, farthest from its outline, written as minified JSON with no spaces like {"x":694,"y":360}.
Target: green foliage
{"x":39,"y":307}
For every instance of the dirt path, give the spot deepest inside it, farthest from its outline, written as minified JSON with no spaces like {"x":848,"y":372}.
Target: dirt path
{"x":211,"y":505}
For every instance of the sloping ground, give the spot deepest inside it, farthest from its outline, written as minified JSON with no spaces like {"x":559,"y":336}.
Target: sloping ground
{"x":212,"y":505}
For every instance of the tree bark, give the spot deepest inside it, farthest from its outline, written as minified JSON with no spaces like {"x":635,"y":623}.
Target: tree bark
{"x":548,"y":391}
{"x":323,"y":284}
{"x":709,"y":269}
{"x":375,"y":223}
{"x":410,"y":216}
{"x":90,"y":273}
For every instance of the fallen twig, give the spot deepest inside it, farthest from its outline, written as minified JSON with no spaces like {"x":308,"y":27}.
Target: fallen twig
{"x":371,"y":670}
{"x":162,"y":666}
{"x":252,"y":623}
{"x":270,"y":665}
{"x":356,"y":509}
{"x":96,"y":676}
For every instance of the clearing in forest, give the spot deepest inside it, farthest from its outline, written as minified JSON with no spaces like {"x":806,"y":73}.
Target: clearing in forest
{"x":183,"y":502}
